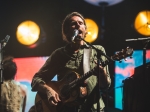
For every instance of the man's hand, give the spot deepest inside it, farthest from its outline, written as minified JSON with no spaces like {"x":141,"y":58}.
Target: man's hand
{"x":53,"y":96}
{"x":83,"y":92}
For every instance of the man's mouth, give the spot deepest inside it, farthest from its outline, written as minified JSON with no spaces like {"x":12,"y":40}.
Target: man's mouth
{"x":80,"y":32}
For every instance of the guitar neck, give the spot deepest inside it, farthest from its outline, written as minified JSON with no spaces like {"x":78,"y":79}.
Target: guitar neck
{"x":118,"y":56}
{"x":83,"y":77}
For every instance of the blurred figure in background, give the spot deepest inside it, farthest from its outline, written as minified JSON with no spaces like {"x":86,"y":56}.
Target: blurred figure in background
{"x":13,"y":94}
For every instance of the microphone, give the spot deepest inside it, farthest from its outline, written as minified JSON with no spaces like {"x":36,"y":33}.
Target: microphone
{"x":131,"y":39}
{"x":75,"y":33}
{"x":4,"y":41}
{"x":147,"y":38}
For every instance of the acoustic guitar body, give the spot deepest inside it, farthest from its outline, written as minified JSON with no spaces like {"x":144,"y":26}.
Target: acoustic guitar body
{"x":67,"y":92}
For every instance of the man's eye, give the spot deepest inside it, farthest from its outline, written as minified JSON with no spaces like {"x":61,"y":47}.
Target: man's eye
{"x":72,"y":24}
{"x":81,"y":23}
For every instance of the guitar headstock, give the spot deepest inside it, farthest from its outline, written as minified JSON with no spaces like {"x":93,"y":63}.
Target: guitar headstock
{"x":123,"y":54}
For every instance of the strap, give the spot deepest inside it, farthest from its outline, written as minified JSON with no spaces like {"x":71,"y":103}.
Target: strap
{"x":86,"y":68}
{"x":86,"y":59}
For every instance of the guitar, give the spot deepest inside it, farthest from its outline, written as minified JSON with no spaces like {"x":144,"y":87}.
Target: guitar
{"x":68,"y":87}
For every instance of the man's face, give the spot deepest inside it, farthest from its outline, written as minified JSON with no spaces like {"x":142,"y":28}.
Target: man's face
{"x":77,"y":23}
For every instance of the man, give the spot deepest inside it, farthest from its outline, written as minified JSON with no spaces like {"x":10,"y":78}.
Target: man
{"x":69,"y":58}
{"x":13,"y":94}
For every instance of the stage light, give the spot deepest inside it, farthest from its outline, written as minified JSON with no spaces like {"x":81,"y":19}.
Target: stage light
{"x":103,"y":2}
{"x":92,"y":30}
{"x":28,"y":33}
{"x":142,"y":23}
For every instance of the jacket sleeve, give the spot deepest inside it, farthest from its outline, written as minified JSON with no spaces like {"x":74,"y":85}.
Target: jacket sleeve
{"x":46,"y":73}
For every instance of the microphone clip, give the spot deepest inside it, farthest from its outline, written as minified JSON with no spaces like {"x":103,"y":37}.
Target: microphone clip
{"x":75,"y":33}
{"x":5,"y":41}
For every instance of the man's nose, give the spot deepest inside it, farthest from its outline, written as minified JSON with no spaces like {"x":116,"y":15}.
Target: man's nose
{"x":77,"y":25}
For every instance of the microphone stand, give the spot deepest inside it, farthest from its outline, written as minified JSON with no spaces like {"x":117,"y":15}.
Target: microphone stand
{"x":2,"y":45}
{"x":144,"y":50}
{"x":1,"y":70}
{"x":144,"y":58}
{"x":99,"y":53}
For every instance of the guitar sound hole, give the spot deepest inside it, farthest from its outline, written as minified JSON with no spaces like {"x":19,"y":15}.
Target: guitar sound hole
{"x":65,"y":91}
{"x":74,"y":93}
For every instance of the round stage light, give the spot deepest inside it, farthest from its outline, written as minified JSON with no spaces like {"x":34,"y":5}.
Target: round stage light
{"x":28,"y":32}
{"x":142,"y":23}
{"x":92,"y":30}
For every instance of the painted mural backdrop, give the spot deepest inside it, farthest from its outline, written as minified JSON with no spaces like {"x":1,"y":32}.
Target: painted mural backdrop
{"x":26,"y":68}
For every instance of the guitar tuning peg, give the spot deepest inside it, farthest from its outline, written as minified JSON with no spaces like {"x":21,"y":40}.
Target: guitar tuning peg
{"x":125,"y":59}
{"x":123,"y":56}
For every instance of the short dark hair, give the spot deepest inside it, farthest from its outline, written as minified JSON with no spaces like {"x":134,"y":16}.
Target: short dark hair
{"x":66,"y":22}
{"x":9,"y":68}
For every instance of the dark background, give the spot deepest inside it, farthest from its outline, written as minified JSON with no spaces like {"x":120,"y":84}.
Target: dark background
{"x":48,"y":14}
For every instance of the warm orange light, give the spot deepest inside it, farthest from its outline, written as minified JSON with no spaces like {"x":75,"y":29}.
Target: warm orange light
{"x":28,"y":32}
{"x":92,"y":30}
{"x":142,"y":23}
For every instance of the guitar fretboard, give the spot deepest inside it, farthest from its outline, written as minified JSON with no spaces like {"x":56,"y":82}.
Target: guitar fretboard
{"x":83,"y":77}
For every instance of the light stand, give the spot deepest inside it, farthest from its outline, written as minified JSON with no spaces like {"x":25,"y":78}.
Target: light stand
{"x":103,"y":5}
